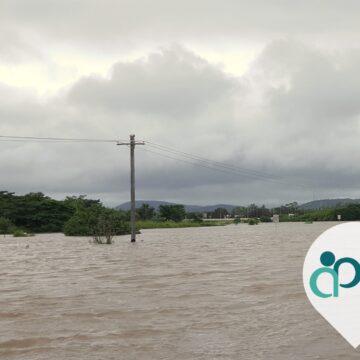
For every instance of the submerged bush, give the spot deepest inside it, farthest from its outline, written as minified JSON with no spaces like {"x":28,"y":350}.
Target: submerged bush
{"x":253,"y":221}
{"x":109,"y":224}
{"x":97,"y":221}
{"x":21,"y":233}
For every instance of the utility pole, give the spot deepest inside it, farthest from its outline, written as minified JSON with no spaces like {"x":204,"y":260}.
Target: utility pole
{"x":132,"y":145}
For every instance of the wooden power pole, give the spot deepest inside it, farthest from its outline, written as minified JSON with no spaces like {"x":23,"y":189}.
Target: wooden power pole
{"x":132,"y":145}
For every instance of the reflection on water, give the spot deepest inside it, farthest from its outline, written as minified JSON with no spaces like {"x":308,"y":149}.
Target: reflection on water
{"x":231,"y":292}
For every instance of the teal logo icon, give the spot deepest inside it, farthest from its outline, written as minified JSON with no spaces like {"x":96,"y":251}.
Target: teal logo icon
{"x":332,"y":267}
{"x":331,"y":278}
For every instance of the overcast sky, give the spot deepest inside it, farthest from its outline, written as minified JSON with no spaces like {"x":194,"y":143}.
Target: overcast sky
{"x":268,"y":86}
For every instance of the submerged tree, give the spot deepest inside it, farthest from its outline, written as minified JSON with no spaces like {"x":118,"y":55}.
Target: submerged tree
{"x":93,"y":219}
{"x":109,"y":224}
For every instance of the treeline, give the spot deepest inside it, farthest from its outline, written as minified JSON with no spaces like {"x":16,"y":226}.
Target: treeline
{"x":349,"y":212}
{"x":79,"y":216}
{"x":292,"y":212}
{"x":37,"y":213}
{"x":178,"y":213}
{"x":174,"y":213}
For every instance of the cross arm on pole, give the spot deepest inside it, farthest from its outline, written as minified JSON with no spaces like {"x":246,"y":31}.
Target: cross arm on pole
{"x":131,"y":143}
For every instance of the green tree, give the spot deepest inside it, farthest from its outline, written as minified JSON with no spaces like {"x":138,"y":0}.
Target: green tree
{"x":239,"y":211}
{"x":172,"y":212}
{"x":348,"y":213}
{"x":34,"y":211}
{"x":145,"y":212}
{"x":220,"y":213}
{"x":197,"y":217}
{"x":109,"y":224}
{"x":6,"y":226}
{"x":252,"y":211}
{"x":97,"y":221}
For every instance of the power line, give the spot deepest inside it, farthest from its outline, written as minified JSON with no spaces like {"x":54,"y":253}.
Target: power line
{"x":228,"y":171}
{"x":191,"y":159}
{"x":186,"y":161}
{"x":224,"y":165}
{"x":55,"y":139}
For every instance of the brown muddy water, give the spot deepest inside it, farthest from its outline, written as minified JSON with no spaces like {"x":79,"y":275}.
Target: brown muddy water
{"x":231,"y":292}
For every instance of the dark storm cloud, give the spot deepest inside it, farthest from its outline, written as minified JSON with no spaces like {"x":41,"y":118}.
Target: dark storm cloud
{"x":294,"y":114}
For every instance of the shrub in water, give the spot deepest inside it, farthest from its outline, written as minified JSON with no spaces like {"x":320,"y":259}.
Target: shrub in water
{"x":253,"y":221}
{"x":20,"y":233}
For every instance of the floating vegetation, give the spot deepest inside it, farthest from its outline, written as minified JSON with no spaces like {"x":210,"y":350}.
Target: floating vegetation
{"x":21,"y":233}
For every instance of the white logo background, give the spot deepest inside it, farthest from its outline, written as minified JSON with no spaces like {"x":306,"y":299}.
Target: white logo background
{"x":342,"y":312}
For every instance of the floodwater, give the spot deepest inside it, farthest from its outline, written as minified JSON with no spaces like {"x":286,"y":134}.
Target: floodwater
{"x":231,"y":292}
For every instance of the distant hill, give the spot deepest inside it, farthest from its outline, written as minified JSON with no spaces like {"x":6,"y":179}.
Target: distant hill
{"x":189,"y":208}
{"x":312,"y":205}
{"x":327,"y":203}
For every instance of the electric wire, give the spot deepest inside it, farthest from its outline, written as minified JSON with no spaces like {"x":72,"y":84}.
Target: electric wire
{"x":212,"y":162}
{"x":228,"y":171}
{"x":55,"y":139}
{"x":186,"y":157}
{"x":232,"y":168}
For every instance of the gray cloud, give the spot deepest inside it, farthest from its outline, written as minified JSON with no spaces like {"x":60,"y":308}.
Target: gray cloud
{"x":172,"y":82}
{"x":294,"y":114}
{"x":133,"y":23}
{"x":14,"y":46}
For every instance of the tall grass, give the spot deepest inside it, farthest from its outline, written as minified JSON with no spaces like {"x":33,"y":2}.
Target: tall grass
{"x":153,"y":224}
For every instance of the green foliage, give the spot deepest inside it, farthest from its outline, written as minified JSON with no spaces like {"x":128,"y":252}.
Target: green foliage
{"x":195,"y":217}
{"x":108,"y":224}
{"x":93,"y":219}
{"x":265,"y":219}
{"x":34,"y":211}
{"x":320,"y":215}
{"x":314,"y":215}
{"x":219,"y":213}
{"x":145,"y":212}
{"x":251,"y":211}
{"x":21,"y":233}
{"x":253,"y":221}
{"x":156,"y":224}
{"x":239,"y":211}
{"x":172,"y":212}
{"x":237,"y":221}
{"x":348,"y":213}
{"x":6,"y":226}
